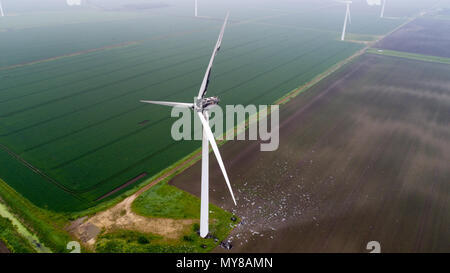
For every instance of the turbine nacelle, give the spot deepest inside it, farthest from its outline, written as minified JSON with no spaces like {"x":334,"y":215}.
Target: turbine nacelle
{"x":203,"y":104}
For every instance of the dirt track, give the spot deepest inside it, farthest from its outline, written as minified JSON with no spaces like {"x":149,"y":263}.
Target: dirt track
{"x":121,"y":216}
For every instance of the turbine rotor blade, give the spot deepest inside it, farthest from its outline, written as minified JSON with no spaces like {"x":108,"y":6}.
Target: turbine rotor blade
{"x":344,"y":29}
{"x":168,"y":103}
{"x":349,"y":16}
{"x":2,"y":14}
{"x":204,"y":86}
{"x":213,"y":143}
{"x":196,"y":8}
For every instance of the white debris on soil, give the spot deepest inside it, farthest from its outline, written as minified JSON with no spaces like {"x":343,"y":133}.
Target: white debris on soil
{"x":269,"y":204}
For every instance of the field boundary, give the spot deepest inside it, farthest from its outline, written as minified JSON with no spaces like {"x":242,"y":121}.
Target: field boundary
{"x":292,"y":94}
{"x":408,"y":55}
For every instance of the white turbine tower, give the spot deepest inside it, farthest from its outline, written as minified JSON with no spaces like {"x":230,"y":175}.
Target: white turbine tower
{"x":201,"y":105}
{"x":347,"y":19}
{"x":1,"y":9}
{"x":196,"y":8}
{"x":382,"y":9}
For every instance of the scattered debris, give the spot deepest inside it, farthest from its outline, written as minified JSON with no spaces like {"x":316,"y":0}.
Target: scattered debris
{"x":226,"y":245}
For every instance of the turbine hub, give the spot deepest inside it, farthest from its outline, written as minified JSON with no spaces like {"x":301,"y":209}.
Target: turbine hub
{"x":206,"y":103}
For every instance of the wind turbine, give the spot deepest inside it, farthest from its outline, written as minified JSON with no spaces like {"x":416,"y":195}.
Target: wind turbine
{"x":196,"y":8}
{"x":347,"y":20}
{"x":1,"y":9}
{"x":382,"y":9}
{"x":201,"y":105}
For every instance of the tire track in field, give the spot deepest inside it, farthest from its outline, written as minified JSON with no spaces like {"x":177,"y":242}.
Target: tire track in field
{"x":48,"y":178}
{"x":385,"y":205}
{"x":121,"y":68}
{"x":273,"y":89}
{"x":376,"y":154}
{"x":130,"y":110}
{"x":107,"y":179}
{"x":322,"y":94}
{"x":88,"y":78}
{"x":159,"y":38}
{"x":413,"y":146}
{"x":170,"y":145}
{"x":167,"y":147}
{"x":96,"y":66}
{"x":81,"y":58}
{"x":151,"y":39}
{"x":145,"y":127}
{"x":298,"y":28}
{"x":233,"y":87}
{"x":373,"y":158}
{"x":134,"y":57}
{"x":159,"y":178}
{"x":71,"y":55}
{"x":88,"y":90}
{"x":39,"y":172}
{"x":134,"y":91}
{"x":54,"y":66}
{"x":179,"y":167}
{"x":75,"y":70}
{"x":132,"y":166}
{"x":273,"y":69}
{"x":135,"y":164}
{"x":426,"y":211}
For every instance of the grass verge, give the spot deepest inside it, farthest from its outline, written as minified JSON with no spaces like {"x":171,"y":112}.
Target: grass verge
{"x":46,"y":225}
{"x":164,"y":200}
{"x":12,"y":239}
{"x":407,"y":55}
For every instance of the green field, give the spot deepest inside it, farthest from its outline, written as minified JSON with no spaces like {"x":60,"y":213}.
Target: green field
{"x":71,"y":129}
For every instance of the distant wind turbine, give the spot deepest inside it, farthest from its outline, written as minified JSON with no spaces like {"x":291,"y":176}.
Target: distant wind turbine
{"x":347,"y":20}
{"x":1,"y":9}
{"x":196,"y":8}
{"x":382,"y":9}
{"x":201,"y":105}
